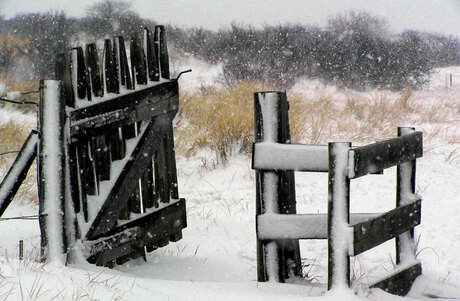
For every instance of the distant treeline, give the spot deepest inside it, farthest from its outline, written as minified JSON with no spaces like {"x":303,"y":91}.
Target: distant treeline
{"x":354,"y":50}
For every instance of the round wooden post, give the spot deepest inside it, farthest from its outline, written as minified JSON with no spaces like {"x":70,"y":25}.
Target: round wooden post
{"x":51,"y":170}
{"x":405,"y":184}
{"x":275,"y":190}
{"x":338,"y":215}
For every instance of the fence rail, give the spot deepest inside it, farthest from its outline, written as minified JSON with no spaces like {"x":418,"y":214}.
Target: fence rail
{"x":276,"y":226}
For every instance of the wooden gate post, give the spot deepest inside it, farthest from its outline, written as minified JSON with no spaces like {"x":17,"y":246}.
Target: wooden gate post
{"x":51,"y":170}
{"x":405,"y":185}
{"x":277,"y":260}
{"x":338,"y":215}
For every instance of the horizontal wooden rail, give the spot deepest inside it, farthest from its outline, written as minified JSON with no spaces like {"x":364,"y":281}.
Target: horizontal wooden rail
{"x":157,"y":228}
{"x":369,"y":234}
{"x":299,"y":226}
{"x":295,"y":157}
{"x":142,"y":104}
{"x":400,"y":281}
{"x":18,"y":171}
{"x":385,"y":154}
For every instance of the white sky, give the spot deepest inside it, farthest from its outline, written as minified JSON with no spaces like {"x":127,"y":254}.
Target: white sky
{"x":427,"y":15}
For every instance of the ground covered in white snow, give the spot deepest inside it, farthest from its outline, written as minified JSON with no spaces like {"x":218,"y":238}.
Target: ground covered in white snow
{"x":216,"y":259}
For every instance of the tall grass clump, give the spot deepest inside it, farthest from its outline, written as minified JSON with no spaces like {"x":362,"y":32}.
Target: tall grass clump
{"x":218,"y":119}
{"x":222,"y":120}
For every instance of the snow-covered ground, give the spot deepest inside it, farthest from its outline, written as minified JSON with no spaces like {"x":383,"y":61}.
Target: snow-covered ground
{"x":216,"y":259}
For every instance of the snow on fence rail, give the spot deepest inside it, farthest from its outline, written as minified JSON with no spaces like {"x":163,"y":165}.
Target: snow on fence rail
{"x":278,"y":225}
{"x":107,"y":141}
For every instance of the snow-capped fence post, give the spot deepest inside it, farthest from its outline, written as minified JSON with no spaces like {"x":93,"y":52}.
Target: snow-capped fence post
{"x":51,"y":170}
{"x":338,"y":215}
{"x":276,"y":260}
{"x":405,"y":185}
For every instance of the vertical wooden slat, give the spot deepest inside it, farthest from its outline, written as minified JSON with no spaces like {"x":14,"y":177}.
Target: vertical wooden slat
{"x":160,"y":39}
{"x":161,"y":184}
{"x":110,"y":69}
{"x":338,"y":215}
{"x":152,"y":57}
{"x":80,"y":75}
{"x":86,"y":171}
{"x":63,"y":73}
{"x":92,"y":61}
{"x":102,"y":157}
{"x":148,"y":194}
{"x":170,"y":155}
{"x":122,"y":65}
{"x":138,"y":63}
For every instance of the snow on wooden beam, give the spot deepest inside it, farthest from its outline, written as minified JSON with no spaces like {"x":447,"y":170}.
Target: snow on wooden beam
{"x":125,"y":109}
{"x":296,"y":157}
{"x":299,"y":226}
{"x":385,"y":154}
{"x":400,"y":281}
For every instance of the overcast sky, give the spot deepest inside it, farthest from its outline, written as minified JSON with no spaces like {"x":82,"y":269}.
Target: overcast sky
{"x":426,"y":15}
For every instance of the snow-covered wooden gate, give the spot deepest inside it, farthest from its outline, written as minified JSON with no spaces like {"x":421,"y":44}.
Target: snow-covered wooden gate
{"x":107,"y":171}
{"x":278,"y":225}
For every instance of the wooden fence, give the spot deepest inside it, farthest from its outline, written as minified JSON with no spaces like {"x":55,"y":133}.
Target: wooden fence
{"x":278,"y":228}
{"x":107,"y":171}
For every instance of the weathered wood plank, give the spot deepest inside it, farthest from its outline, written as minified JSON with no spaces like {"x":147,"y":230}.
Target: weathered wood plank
{"x":101,"y":157}
{"x":63,"y":73}
{"x":86,"y":170}
{"x":18,"y":171}
{"x":150,"y":229}
{"x":110,"y":69}
{"x":138,"y":62}
{"x":369,"y":234}
{"x":125,"y":109}
{"x":80,"y":83}
{"x":151,"y":55}
{"x":128,"y":179}
{"x":94,"y":71}
{"x":148,"y":194}
{"x":299,"y":226}
{"x":160,"y":40}
{"x":385,"y":154}
{"x":400,"y":281}
{"x":161,"y":181}
{"x":124,"y":74}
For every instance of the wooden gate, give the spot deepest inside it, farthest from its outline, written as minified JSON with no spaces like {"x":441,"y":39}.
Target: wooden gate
{"x":107,"y":166}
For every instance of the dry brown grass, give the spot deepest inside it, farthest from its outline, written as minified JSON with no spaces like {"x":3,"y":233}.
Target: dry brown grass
{"x":219,"y":119}
{"x":222,"y":120}
{"x":13,"y":85}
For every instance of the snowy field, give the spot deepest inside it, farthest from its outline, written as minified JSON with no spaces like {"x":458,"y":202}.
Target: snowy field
{"x":216,"y":259}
